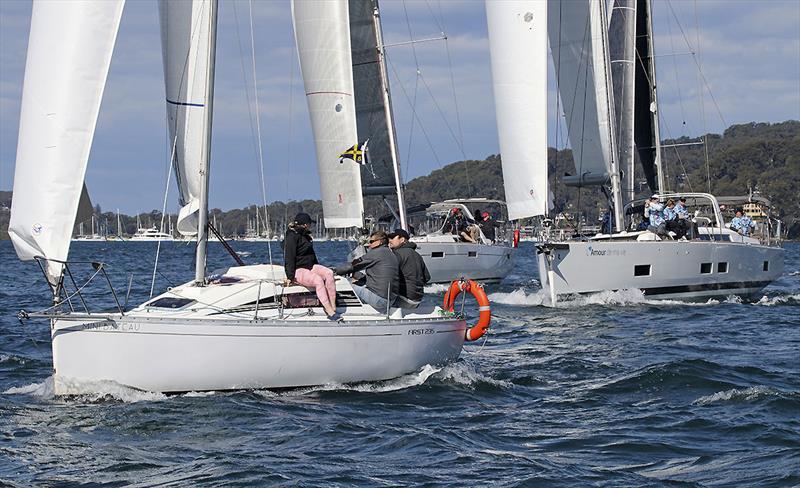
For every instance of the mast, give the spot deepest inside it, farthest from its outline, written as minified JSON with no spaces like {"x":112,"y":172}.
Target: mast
{"x":202,"y":221}
{"x":387,"y":102}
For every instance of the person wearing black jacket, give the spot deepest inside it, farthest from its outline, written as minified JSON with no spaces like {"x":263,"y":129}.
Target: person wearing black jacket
{"x":301,"y":265}
{"x":413,"y":272}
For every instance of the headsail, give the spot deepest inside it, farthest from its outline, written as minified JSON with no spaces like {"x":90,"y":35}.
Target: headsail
{"x":186,"y":43}
{"x":69,"y":53}
{"x":518,"y":46}
{"x":577,"y":33}
{"x":323,"y":45}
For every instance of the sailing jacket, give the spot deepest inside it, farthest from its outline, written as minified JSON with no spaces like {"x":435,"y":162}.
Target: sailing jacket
{"x":413,"y":272}
{"x":381,"y":268}
{"x":298,"y":252}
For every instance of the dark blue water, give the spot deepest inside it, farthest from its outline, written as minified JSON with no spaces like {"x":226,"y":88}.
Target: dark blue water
{"x":609,"y":390}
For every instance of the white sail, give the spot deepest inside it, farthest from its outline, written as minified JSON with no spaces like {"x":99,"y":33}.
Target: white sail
{"x":323,"y":45}
{"x":186,"y":43}
{"x":577,"y":41}
{"x":518,"y":47}
{"x":69,"y":53}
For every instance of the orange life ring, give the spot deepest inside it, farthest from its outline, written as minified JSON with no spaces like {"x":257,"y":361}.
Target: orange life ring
{"x":484,"y":309}
{"x":516,"y":237}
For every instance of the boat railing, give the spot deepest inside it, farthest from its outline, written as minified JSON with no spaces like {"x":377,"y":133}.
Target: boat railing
{"x":71,"y":297}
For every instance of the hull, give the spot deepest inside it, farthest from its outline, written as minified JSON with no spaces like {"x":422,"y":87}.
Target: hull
{"x":448,"y":261}
{"x":178,"y":355}
{"x":661,"y":269}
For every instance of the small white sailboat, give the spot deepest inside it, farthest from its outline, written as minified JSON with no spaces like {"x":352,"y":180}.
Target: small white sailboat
{"x":239,"y":328}
{"x":604,"y":141}
{"x":378,"y":174}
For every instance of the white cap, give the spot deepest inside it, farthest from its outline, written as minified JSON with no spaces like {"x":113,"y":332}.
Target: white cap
{"x":655,"y":196}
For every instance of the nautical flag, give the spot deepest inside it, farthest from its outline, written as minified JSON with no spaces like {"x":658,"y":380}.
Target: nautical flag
{"x":356,"y":153}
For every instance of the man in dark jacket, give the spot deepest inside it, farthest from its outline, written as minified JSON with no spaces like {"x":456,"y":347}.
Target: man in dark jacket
{"x":413,"y":272}
{"x":382,"y":271}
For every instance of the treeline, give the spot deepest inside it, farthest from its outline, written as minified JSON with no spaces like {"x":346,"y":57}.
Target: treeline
{"x":763,"y":157}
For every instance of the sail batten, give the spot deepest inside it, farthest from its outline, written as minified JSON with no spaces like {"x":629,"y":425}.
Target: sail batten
{"x":323,"y":45}
{"x":518,"y":46}
{"x":69,"y":54}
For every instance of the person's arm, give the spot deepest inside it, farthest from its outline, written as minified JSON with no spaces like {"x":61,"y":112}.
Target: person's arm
{"x":426,"y":276}
{"x":358,"y":264}
{"x":290,"y":255}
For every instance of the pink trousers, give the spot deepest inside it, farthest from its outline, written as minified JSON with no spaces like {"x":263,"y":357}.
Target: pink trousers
{"x":321,"y":279}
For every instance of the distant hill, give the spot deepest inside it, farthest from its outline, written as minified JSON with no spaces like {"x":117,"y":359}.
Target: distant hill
{"x":761,"y":156}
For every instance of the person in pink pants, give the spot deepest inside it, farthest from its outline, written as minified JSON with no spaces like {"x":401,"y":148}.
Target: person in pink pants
{"x":301,"y":265}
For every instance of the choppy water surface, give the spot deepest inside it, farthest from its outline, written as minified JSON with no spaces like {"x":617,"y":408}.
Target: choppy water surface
{"x":606,"y":390}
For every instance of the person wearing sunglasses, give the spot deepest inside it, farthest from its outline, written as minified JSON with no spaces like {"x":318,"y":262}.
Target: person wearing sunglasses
{"x":302,"y":267}
{"x":380,"y":270}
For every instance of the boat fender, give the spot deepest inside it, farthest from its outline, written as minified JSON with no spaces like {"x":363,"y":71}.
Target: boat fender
{"x":516,"y":238}
{"x":484,"y":308}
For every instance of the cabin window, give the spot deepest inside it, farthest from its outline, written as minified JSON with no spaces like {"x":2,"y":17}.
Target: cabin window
{"x":437,"y":254}
{"x":472,"y":254}
{"x":170,"y":302}
{"x":766,"y":265}
{"x":641,"y":270}
{"x":705,"y":268}
{"x":722,"y":267}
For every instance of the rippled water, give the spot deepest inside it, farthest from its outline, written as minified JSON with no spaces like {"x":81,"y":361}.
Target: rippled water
{"x":605,"y":390}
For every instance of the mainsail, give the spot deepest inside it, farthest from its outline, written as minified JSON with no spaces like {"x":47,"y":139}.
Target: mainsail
{"x":621,"y":41}
{"x":645,"y":133}
{"x":377,"y":176}
{"x":186,"y":38}
{"x":69,"y":53}
{"x":577,"y":33}
{"x":518,"y":47}
{"x":323,"y":46}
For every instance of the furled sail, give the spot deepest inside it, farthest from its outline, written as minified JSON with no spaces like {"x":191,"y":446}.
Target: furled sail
{"x":69,"y":53}
{"x":377,"y":175}
{"x":621,"y":41}
{"x":323,"y":45}
{"x":186,"y":41}
{"x":577,"y":34}
{"x":518,"y":47}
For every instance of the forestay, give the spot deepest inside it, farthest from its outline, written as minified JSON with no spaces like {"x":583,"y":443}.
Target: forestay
{"x":69,"y":53}
{"x":186,"y":44}
{"x":323,"y":45}
{"x":518,"y":47}
{"x":577,"y":41}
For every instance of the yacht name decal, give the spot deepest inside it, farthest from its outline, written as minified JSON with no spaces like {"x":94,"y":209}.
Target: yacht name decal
{"x":590,"y":251}
{"x":421,"y":331}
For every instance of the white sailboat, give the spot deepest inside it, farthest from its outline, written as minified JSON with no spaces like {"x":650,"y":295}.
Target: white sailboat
{"x":367,"y":87}
{"x":603,"y":141}
{"x":239,"y":328}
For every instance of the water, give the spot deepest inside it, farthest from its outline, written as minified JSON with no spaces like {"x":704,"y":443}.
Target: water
{"x":605,"y":390}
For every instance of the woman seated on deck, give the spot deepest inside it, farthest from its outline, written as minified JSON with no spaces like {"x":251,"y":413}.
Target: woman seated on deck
{"x":302,"y":267}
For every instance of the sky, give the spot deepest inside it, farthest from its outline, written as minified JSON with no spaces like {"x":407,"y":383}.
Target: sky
{"x":748,"y":53}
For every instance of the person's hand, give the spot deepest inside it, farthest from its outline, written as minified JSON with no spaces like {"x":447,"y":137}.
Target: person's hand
{"x":287,"y":282}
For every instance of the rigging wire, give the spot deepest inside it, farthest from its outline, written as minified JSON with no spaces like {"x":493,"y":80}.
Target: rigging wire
{"x":258,"y":129}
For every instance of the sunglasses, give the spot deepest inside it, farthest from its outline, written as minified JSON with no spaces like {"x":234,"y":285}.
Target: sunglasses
{"x":375,"y":240}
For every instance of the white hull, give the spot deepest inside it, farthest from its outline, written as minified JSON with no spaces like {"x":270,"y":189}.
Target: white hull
{"x":166,"y":355}
{"x":230,"y":334}
{"x":448,"y":261}
{"x":677,"y":269}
